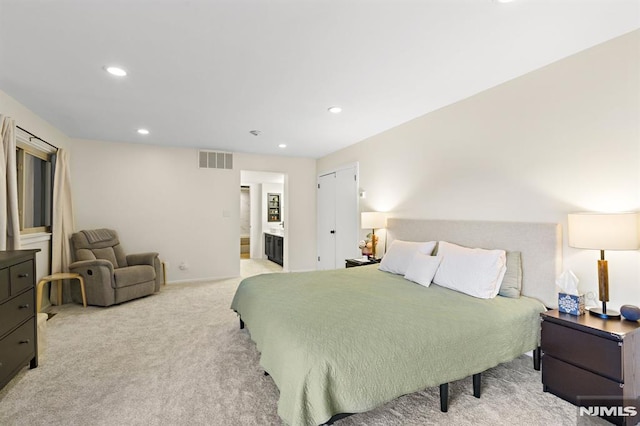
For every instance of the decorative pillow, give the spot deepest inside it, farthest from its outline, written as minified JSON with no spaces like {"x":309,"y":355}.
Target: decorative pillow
{"x":512,"y":282}
{"x":422,"y":268}
{"x":473,"y":271}
{"x":400,"y":254}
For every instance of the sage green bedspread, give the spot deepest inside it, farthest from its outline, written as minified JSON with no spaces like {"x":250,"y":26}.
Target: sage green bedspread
{"x":348,"y":340}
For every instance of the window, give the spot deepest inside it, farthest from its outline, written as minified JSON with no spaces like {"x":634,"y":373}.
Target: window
{"x":35,"y":188}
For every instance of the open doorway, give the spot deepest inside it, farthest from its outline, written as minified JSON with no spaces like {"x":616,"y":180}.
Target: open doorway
{"x":263,"y":194}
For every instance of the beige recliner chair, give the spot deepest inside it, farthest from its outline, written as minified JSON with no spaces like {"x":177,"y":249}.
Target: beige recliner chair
{"x":110,"y":276}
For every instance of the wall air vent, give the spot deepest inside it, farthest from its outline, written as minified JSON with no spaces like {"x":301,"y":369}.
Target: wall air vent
{"x":215,"y":160}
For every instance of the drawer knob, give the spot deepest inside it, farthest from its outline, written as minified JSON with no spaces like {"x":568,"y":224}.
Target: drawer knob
{"x":24,"y":342}
{"x":26,"y":306}
{"x":23,"y":275}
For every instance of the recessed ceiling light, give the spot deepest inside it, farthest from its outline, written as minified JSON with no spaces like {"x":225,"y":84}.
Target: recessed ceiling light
{"x":335,"y":109}
{"x":143,"y":131}
{"x":503,"y":1}
{"x":282,"y":145}
{"x":115,"y":71}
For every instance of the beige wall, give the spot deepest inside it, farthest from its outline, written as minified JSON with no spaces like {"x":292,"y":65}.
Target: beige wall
{"x":159,"y":200}
{"x":561,"y":139}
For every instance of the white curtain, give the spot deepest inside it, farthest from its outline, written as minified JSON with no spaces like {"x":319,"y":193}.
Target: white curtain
{"x":63,"y":221}
{"x":9,"y":219}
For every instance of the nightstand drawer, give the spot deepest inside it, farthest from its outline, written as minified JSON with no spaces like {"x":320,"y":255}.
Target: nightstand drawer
{"x":571,"y":383}
{"x":581,"y":387}
{"x":597,"y":354}
{"x":21,"y":276}
{"x":16,"y":311}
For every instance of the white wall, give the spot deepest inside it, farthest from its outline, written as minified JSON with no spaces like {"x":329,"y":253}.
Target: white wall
{"x":257,"y":245}
{"x":159,"y":200}
{"x":561,"y":139}
{"x":245,"y":213}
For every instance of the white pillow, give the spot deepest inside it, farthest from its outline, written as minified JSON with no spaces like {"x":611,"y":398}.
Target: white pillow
{"x":476,"y":272}
{"x":422,"y":268}
{"x":400,"y":254}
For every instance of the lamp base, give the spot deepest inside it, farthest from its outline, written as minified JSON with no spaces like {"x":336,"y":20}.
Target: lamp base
{"x":610,"y":314}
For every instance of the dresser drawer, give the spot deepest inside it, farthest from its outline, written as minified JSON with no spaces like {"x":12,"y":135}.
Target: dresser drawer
{"x":16,"y":311}
{"x":597,"y":354}
{"x":4,"y":284}
{"x":17,"y":349}
{"x":21,"y":276}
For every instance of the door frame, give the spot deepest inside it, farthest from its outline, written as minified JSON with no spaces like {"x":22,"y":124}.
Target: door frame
{"x":285,"y":214}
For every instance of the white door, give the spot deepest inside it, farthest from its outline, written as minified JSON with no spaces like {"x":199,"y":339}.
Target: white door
{"x":326,"y":221}
{"x":346,"y":235}
{"x":337,"y":218}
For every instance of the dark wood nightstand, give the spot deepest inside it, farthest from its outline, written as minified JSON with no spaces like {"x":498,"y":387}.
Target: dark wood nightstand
{"x":593,"y":362}
{"x":352,"y":263}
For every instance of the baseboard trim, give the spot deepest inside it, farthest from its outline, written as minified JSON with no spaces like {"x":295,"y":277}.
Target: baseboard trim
{"x":201,"y":280}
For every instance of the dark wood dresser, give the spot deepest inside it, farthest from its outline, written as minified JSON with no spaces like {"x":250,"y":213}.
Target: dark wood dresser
{"x":593,"y":362}
{"x":18,"y":327}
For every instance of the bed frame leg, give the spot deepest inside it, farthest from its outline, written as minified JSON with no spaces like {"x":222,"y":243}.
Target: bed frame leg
{"x":477,"y":381}
{"x":444,"y":397}
{"x":241,"y":324}
{"x":537,"y":353}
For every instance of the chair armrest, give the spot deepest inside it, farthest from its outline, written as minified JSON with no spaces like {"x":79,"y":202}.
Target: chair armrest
{"x":141,"y":259}
{"x":99,"y":281}
{"x":83,"y":265}
{"x":150,"y":259}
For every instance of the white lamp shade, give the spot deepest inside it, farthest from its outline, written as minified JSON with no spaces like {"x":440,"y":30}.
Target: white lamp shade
{"x":373,"y":220}
{"x":602,"y":231}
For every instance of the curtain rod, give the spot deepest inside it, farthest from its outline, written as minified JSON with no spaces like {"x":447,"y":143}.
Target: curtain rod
{"x":37,"y":137}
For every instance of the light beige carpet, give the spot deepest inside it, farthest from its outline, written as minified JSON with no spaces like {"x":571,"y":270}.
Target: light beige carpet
{"x":179,"y":358}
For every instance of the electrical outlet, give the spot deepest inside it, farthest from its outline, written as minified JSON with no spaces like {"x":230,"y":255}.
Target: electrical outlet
{"x":183,"y":266}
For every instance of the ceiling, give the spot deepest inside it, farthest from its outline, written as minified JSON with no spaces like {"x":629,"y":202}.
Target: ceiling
{"x":204,"y":73}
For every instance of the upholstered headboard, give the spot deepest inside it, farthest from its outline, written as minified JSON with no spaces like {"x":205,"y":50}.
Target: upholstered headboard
{"x":539,"y":243}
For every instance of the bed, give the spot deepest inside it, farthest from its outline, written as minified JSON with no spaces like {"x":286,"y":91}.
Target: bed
{"x":347,"y":341}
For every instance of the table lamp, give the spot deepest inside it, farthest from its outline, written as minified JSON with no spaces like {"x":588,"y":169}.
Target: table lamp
{"x":604,"y":231}
{"x":373,"y":221}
